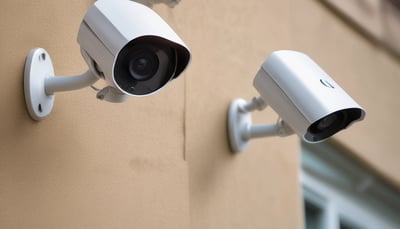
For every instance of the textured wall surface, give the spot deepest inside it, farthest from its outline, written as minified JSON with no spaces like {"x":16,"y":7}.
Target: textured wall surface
{"x":256,"y":188}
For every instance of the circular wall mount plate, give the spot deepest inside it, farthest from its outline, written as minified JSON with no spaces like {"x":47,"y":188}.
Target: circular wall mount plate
{"x":38,"y":67}
{"x":238,"y":121}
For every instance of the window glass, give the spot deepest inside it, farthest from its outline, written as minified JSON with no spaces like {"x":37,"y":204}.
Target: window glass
{"x":313,"y":216}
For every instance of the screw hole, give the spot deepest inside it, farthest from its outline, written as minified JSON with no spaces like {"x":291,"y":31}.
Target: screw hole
{"x":40,"y":108}
{"x":42,"y":57}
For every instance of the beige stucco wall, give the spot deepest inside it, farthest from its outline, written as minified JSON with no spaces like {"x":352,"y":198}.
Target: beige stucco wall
{"x":255,"y":189}
{"x":163,"y":161}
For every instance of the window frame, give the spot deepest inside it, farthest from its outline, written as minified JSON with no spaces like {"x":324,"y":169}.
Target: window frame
{"x":347,"y":190}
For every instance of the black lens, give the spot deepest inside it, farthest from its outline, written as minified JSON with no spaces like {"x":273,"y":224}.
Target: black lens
{"x":144,"y":65}
{"x":331,"y":124}
{"x":327,"y":126}
{"x":327,"y":122}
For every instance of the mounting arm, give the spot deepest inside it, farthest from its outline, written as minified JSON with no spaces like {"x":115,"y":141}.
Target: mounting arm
{"x":240,"y":126}
{"x":40,"y":83}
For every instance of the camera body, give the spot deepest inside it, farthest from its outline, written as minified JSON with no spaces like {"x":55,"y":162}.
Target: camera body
{"x":131,"y":47}
{"x":305,"y":96}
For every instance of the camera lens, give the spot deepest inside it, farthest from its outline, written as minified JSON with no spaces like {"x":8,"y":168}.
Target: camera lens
{"x":327,"y":122}
{"x":144,"y":65}
{"x":329,"y":125}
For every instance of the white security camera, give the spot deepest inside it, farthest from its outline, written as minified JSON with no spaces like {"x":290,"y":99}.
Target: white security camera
{"x":305,"y":97}
{"x":123,"y":42}
{"x":308,"y":101}
{"x":131,"y":47}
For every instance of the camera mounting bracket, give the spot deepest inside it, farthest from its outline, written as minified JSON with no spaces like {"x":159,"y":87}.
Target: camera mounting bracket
{"x":240,"y":126}
{"x":40,"y":83}
{"x":38,"y":67}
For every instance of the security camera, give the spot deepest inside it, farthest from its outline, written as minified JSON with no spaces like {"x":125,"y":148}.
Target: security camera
{"x":309,"y":102}
{"x":131,"y":47}
{"x":123,"y":42}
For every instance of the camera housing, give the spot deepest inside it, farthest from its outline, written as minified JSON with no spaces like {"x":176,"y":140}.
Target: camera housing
{"x":131,"y":47}
{"x":305,"y":96}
